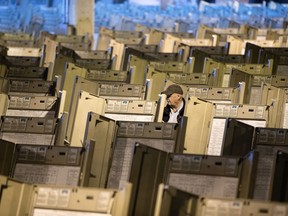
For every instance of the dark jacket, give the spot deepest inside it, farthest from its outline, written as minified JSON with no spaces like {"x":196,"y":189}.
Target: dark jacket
{"x":167,"y":110}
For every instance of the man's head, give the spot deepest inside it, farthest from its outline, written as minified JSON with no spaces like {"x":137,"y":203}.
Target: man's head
{"x":174,"y":95}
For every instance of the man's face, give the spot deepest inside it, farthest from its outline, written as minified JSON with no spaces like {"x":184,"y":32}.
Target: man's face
{"x":173,"y":100}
